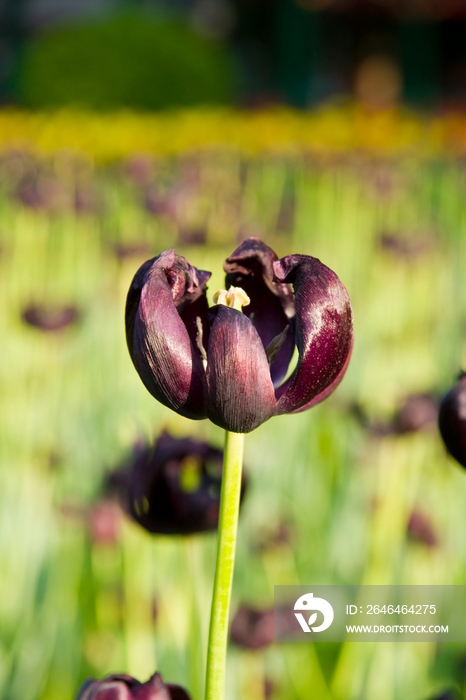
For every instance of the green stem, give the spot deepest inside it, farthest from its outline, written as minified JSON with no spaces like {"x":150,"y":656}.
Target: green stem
{"x":227,"y":526}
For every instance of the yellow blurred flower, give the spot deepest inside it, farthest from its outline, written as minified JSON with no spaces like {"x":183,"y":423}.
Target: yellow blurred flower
{"x":331,"y":129}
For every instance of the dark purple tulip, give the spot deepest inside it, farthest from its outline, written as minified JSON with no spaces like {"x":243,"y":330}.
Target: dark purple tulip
{"x":173,"y":487}
{"x":229,"y":366}
{"x":251,"y":628}
{"x":124,"y":687}
{"x":50,"y":318}
{"x":452,"y":420}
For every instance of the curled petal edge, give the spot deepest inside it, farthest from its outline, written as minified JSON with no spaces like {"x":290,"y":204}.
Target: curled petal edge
{"x":271,"y":309}
{"x":324,"y":332}
{"x":158,"y":339}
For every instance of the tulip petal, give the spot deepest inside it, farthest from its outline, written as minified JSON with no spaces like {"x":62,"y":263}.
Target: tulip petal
{"x":109,"y":689}
{"x":153,"y":494}
{"x":153,"y":689}
{"x":452,"y":420}
{"x":178,"y":693}
{"x":324,"y":332}
{"x":272,"y":305}
{"x":239,"y":390}
{"x":173,"y":487}
{"x":124,"y":687}
{"x":165,"y":298}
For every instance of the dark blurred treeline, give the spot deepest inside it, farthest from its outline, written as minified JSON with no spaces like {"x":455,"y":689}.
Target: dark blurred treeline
{"x":248,"y":52}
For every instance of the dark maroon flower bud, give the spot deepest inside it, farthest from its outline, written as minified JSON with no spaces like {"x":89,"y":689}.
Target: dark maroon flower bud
{"x":420,"y":529}
{"x":230,"y":366}
{"x":452,"y":420}
{"x":124,"y":687}
{"x":252,"y":628}
{"x":173,"y":487}
{"x":50,"y":318}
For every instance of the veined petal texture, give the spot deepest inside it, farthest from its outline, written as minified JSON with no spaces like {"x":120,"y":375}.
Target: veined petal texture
{"x":239,"y":390}
{"x":272,"y":307}
{"x":324,"y":332}
{"x":160,"y":342}
{"x":125,"y":687}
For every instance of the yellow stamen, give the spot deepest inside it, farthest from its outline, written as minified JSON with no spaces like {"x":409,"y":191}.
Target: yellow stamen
{"x":235,"y":298}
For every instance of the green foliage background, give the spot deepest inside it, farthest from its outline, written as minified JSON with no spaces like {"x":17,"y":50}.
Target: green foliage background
{"x":132,"y":60}
{"x":72,"y":405}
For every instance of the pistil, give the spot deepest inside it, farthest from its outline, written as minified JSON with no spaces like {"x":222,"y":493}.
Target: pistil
{"x":235,"y":298}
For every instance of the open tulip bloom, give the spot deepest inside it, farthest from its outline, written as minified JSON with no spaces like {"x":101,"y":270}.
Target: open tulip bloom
{"x":172,"y":487}
{"x":231,"y":365}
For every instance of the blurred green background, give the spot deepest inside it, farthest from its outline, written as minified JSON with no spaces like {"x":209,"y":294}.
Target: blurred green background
{"x":77,"y":596}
